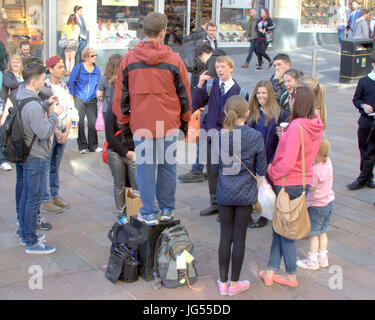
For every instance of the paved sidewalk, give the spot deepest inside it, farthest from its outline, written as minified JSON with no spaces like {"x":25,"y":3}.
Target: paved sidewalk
{"x":76,"y":269}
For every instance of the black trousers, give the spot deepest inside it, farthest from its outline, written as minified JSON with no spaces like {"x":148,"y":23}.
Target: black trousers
{"x":260,"y":51}
{"x":89,"y":109}
{"x":366,"y":144}
{"x":211,"y":177}
{"x":233,"y":227}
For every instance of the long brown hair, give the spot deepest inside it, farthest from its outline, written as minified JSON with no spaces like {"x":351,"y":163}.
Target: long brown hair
{"x":111,"y":68}
{"x":303,"y":104}
{"x":72,"y":20}
{"x":271,"y":108}
{"x":235,"y":108}
{"x":319,"y":94}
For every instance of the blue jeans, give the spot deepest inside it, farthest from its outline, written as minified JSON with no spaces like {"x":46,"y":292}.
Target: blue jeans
{"x":341,"y":33}
{"x":251,"y":50}
{"x":57,"y":152}
{"x":34,"y":172}
{"x":19,"y":185}
{"x":156,"y":173}
{"x":282,"y":247}
{"x":197,"y":166}
{"x":319,"y":218}
{"x":81,"y":45}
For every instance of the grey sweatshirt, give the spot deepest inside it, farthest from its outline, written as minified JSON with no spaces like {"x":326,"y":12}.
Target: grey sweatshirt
{"x":35,"y":122}
{"x":361,"y":29}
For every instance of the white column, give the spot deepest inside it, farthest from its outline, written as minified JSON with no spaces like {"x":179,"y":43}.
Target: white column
{"x":159,"y":6}
{"x":188,"y":14}
{"x":51,"y":7}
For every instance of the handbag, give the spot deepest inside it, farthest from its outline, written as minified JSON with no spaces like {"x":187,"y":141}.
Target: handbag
{"x":292,"y":218}
{"x":99,"y":124}
{"x":269,"y":36}
{"x":63,"y":41}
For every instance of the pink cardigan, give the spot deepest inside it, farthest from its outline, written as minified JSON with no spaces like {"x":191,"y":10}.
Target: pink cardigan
{"x":288,"y":158}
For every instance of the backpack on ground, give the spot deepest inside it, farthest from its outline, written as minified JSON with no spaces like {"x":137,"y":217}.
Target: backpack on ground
{"x":243,"y":93}
{"x":174,"y":250}
{"x":12,"y":135}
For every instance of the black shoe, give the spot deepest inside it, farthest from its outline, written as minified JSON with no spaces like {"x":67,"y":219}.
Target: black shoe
{"x":192,"y":176}
{"x":270,"y":65}
{"x":209,"y":211}
{"x":258,"y":69}
{"x":355,"y":186}
{"x":370,"y":184}
{"x":262,"y":221}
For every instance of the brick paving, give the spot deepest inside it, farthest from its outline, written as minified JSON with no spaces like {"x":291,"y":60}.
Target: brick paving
{"x":76,"y":269}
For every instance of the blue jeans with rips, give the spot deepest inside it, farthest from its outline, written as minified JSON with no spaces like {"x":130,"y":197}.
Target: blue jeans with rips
{"x":56,"y":155}
{"x":34,"y":173}
{"x":282,"y":247}
{"x":156,"y":172}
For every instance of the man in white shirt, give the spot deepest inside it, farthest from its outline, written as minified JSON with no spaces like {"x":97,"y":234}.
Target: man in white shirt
{"x":343,"y":15}
{"x":211,"y":35}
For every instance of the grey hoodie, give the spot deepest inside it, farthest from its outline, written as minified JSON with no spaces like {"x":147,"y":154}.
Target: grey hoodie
{"x":35,"y":122}
{"x":361,"y":29}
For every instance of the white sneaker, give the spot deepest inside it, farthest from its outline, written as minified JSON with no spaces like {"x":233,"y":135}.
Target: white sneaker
{"x":98,"y":149}
{"x":6,"y":166}
{"x":83,"y":151}
{"x":323,"y":259}
{"x":311,"y":263}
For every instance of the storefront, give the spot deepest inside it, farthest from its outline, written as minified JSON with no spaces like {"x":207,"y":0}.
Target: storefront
{"x":23,"y":20}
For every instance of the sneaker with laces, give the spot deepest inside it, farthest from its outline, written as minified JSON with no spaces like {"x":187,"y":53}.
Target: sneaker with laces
{"x":191,"y":177}
{"x":148,"y":219}
{"x":223,"y":287}
{"x":83,"y":151}
{"x":166,"y":215}
{"x":18,"y":231}
{"x":6,"y":166}
{"x":311,"y":263}
{"x":241,"y":286}
{"x":42,"y":224}
{"x":41,"y":237}
{"x":39,"y":248}
{"x":323,"y":259}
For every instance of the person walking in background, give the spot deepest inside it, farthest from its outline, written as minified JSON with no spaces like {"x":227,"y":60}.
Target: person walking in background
{"x":72,"y":31}
{"x":38,"y":128}
{"x":83,"y":34}
{"x":319,"y":94}
{"x":364,"y":101}
{"x":146,"y":94}
{"x":264,"y":27}
{"x":265,"y":116}
{"x":354,"y":16}
{"x":290,"y":78}
{"x":251,"y":36}
{"x":320,"y":206}
{"x":236,"y":191}
{"x":343,"y":15}
{"x":281,"y":62}
{"x":83,"y":84}
{"x":106,"y":86}
{"x":361,"y":28}
{"x":210,"y":37}
{"x":286,"y":170}
{"x":52,"y":202}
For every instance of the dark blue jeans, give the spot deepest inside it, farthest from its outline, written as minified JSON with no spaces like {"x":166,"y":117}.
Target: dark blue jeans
{"x":57,"y":153}
{"x":81,"y":45}
{"x":251,"y":50}
{"x":34,"y":173}
{"x":19,"y":185}
{"x":341,"y":33}
{"x":282,"y":247}
{"x":156,"y":172}
{"x":197,"y":166}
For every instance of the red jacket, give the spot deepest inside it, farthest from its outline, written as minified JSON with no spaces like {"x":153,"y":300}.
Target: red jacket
{"x":152,"y":85}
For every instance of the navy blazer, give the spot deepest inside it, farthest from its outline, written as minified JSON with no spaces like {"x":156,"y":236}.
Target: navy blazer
{"x":272,"y":139}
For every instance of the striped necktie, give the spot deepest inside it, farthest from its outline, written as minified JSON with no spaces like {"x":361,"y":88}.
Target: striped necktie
{"x":222,"y":88}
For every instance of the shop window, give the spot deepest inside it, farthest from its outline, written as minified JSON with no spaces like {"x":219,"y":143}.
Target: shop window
{"x":120,"y":21}
{"x":22,"y":20}
{"x":234,"y":17}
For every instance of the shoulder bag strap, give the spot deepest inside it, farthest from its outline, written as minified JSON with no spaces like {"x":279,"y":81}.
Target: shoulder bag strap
{"x":303,"y":158}
{"x":253,"y":175}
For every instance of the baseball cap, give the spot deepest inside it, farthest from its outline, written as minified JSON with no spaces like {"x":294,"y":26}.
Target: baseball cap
{"x":76,"y":8}
{"x":52,"y":61}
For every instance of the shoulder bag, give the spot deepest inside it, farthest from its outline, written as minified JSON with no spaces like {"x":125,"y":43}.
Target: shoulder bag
{"x":291,"y":217}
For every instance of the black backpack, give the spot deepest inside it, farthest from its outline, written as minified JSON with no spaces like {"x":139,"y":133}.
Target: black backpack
{"x":12,"y":136}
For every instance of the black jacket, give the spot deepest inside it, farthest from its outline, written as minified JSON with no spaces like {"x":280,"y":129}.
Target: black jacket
{"x":364,"y":94}
{"x":10,"y":86}
{"x":278,"y":87}
{"x":268,"y":25}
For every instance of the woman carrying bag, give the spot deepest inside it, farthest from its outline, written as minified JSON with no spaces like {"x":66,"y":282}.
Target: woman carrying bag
{"x":288,"y":169}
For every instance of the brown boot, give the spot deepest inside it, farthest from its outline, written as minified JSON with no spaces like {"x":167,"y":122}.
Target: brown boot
{"x":49,"y":206}
{"x":60,"y":203}
{"x":245,"y":65}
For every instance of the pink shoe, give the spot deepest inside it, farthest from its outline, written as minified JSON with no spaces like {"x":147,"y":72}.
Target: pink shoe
{"x":323,"y":259}
{"x":238,"y":288}
{"x":223,"y":288}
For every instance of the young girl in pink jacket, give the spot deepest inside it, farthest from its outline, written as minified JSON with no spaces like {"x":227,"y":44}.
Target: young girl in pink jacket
{"x":287,"y":164}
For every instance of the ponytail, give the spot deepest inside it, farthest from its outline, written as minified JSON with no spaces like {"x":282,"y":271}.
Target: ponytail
{"x":235,"y":109}
{"x":230,"y":120}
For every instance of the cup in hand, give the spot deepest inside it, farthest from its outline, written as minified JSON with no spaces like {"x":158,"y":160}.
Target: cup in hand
{"x":281,"y":129}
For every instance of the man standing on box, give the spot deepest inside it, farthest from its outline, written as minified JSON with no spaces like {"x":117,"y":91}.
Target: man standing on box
{"x":82,"y":41}
{"x":152,"y":92}
{"x":364,"y":101}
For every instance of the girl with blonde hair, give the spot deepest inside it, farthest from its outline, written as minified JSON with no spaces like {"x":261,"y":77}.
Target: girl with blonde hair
{"x":234,"y":147}
{"x":319,"y":93}
{"x":265,"y":116}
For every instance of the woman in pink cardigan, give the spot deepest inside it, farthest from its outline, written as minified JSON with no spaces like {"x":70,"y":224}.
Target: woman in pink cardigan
{"x":288,"y":163}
